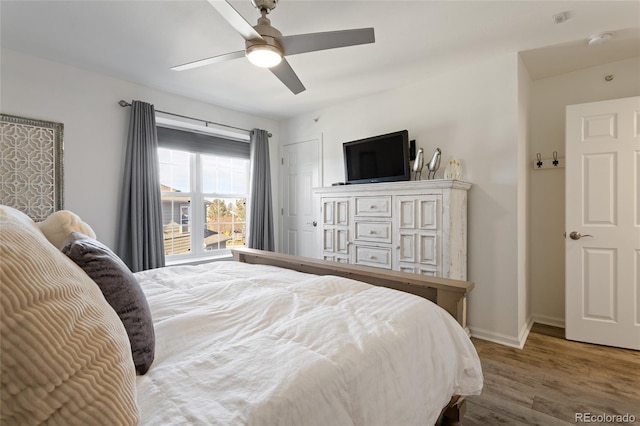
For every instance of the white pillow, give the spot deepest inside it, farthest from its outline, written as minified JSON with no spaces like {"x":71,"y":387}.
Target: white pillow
{"x":57,"y":226}
{"x":66,"y":357}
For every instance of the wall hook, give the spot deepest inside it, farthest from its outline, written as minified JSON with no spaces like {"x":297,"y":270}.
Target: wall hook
{"x":548,"y":163}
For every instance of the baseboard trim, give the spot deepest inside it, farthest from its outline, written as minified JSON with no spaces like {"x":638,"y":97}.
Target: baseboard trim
{"x":548,"y":320}
{"x":524,"y":332}
{"x":504,"y":339}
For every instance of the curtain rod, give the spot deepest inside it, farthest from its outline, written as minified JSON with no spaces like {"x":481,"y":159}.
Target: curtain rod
{"x":123,"y":104}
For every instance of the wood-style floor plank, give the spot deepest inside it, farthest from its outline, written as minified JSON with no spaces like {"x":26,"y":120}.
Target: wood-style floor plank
{"x":495,"y":411}
{"x":551,"y":379}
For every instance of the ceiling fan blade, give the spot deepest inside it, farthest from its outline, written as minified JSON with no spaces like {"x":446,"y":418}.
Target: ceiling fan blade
{"x":235,"y":19}
{"x":303,"y":43}
{"x":209,"y":61}
{"x":285,"y":74}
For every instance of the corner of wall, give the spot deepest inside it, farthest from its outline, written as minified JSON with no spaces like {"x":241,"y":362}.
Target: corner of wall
{"x":549,"y":320}
{"x":524,"y":172}
{"x":504,"y":339}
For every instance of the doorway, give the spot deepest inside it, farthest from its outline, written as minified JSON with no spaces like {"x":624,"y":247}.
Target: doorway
{"x":300,"y":173}
{"x":602,"y":247}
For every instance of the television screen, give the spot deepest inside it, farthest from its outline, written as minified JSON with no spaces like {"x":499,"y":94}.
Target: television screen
{"x":383,"y":158}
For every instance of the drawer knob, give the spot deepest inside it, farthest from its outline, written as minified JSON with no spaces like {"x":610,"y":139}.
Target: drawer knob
{"x":372,"y":257}
{"x":372,"y":232}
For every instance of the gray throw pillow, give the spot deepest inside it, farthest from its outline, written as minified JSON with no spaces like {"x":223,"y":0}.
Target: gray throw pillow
{"x":121,"y":289}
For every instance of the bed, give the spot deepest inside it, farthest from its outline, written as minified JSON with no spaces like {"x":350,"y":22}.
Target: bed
{"x":256,"y":341}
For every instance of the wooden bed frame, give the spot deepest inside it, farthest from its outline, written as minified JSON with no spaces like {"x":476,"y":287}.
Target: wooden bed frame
{"x":449,"y":294}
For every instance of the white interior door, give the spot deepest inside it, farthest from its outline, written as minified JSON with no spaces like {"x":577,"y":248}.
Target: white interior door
{"x":300,"y":213}
{"x":603,"y":223}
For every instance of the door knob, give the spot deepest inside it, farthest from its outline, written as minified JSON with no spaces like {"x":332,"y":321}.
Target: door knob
{"x":575,"y":235}
{"x":314,"y":223}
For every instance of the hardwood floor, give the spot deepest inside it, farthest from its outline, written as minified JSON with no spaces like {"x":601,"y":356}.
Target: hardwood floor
{"x":552,"y":379}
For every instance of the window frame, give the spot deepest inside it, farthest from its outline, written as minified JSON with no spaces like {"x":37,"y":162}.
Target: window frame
{"x":197,"y":196}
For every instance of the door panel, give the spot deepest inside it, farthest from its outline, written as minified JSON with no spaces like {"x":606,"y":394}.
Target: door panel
{"x":429,"y":249}
{"x":342,"y":241}
{"x":407,"y":213}
{"x":407,"y":247}
{"x":429,"y":213}
{"x":419,"y":242}
{"x":637,"y":277}
{"x":300,"y":214}
{"x":603,"y":229}
{"x":599,"y":284}
{"x":600,"y":189}
{"x":342,"y":213}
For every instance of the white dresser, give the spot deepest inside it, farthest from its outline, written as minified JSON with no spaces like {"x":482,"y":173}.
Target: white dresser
{"x":415,"y":226}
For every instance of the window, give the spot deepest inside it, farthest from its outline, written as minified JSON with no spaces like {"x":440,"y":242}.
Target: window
{"x":204,"y":197}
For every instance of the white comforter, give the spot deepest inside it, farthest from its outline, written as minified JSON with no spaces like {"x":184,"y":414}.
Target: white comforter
{"x":248,"y":344}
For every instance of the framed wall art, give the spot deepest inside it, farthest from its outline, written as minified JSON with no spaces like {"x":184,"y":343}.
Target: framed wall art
{"x":31,"y":167}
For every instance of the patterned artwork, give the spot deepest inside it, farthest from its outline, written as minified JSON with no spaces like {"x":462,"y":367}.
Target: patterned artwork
{"x":31,"y":165}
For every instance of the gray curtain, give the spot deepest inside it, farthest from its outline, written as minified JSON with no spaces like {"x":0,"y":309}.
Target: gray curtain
{"x":140,"y":239}
{"x":260,"y":232}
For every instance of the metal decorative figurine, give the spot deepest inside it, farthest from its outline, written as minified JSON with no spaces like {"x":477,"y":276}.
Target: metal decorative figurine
{"x":434,"y":164}
{"x":418,"y":164}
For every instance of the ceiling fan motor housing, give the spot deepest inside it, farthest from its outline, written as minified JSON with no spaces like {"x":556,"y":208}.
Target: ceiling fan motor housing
{"x":270,"y":36}
{"x":266,"y":5}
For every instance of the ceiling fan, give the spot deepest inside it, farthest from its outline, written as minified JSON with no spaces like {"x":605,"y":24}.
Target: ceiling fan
{"x":266,"y":47}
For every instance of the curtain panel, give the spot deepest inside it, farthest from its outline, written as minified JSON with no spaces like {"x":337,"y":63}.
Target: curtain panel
{"x":140,"y":241}
{"x":260,"y":229}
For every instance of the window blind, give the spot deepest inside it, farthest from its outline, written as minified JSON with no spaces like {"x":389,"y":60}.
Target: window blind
{"x":201,"y":143}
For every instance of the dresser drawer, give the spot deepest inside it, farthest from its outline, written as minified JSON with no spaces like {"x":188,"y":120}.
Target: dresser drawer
{"x":373,"y":231}
{"x":373,"y":206}
{"x":379,"y":257}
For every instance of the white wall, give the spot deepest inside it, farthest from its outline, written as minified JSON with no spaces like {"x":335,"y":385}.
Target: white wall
{"x":95,"y":127}
{"x":471,"y":114}
{"x":549,"y":99}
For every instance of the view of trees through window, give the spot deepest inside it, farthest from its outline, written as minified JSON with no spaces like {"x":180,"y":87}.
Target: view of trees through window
{"x":195,"y":222}
{"x":226,"y":223}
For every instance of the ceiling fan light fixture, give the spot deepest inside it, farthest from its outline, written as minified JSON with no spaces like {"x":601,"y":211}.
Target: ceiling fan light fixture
{"x":264,"y":55}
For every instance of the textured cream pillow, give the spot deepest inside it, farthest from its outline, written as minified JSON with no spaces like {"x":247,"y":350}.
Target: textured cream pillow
{"x":57,"y":226}
{"x":66,"y":357}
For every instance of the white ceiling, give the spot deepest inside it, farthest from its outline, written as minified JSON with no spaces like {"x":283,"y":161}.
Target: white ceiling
{"x":140,"y":40}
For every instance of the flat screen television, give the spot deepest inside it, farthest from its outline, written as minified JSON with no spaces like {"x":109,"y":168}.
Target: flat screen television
{"x":383,"y":158}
